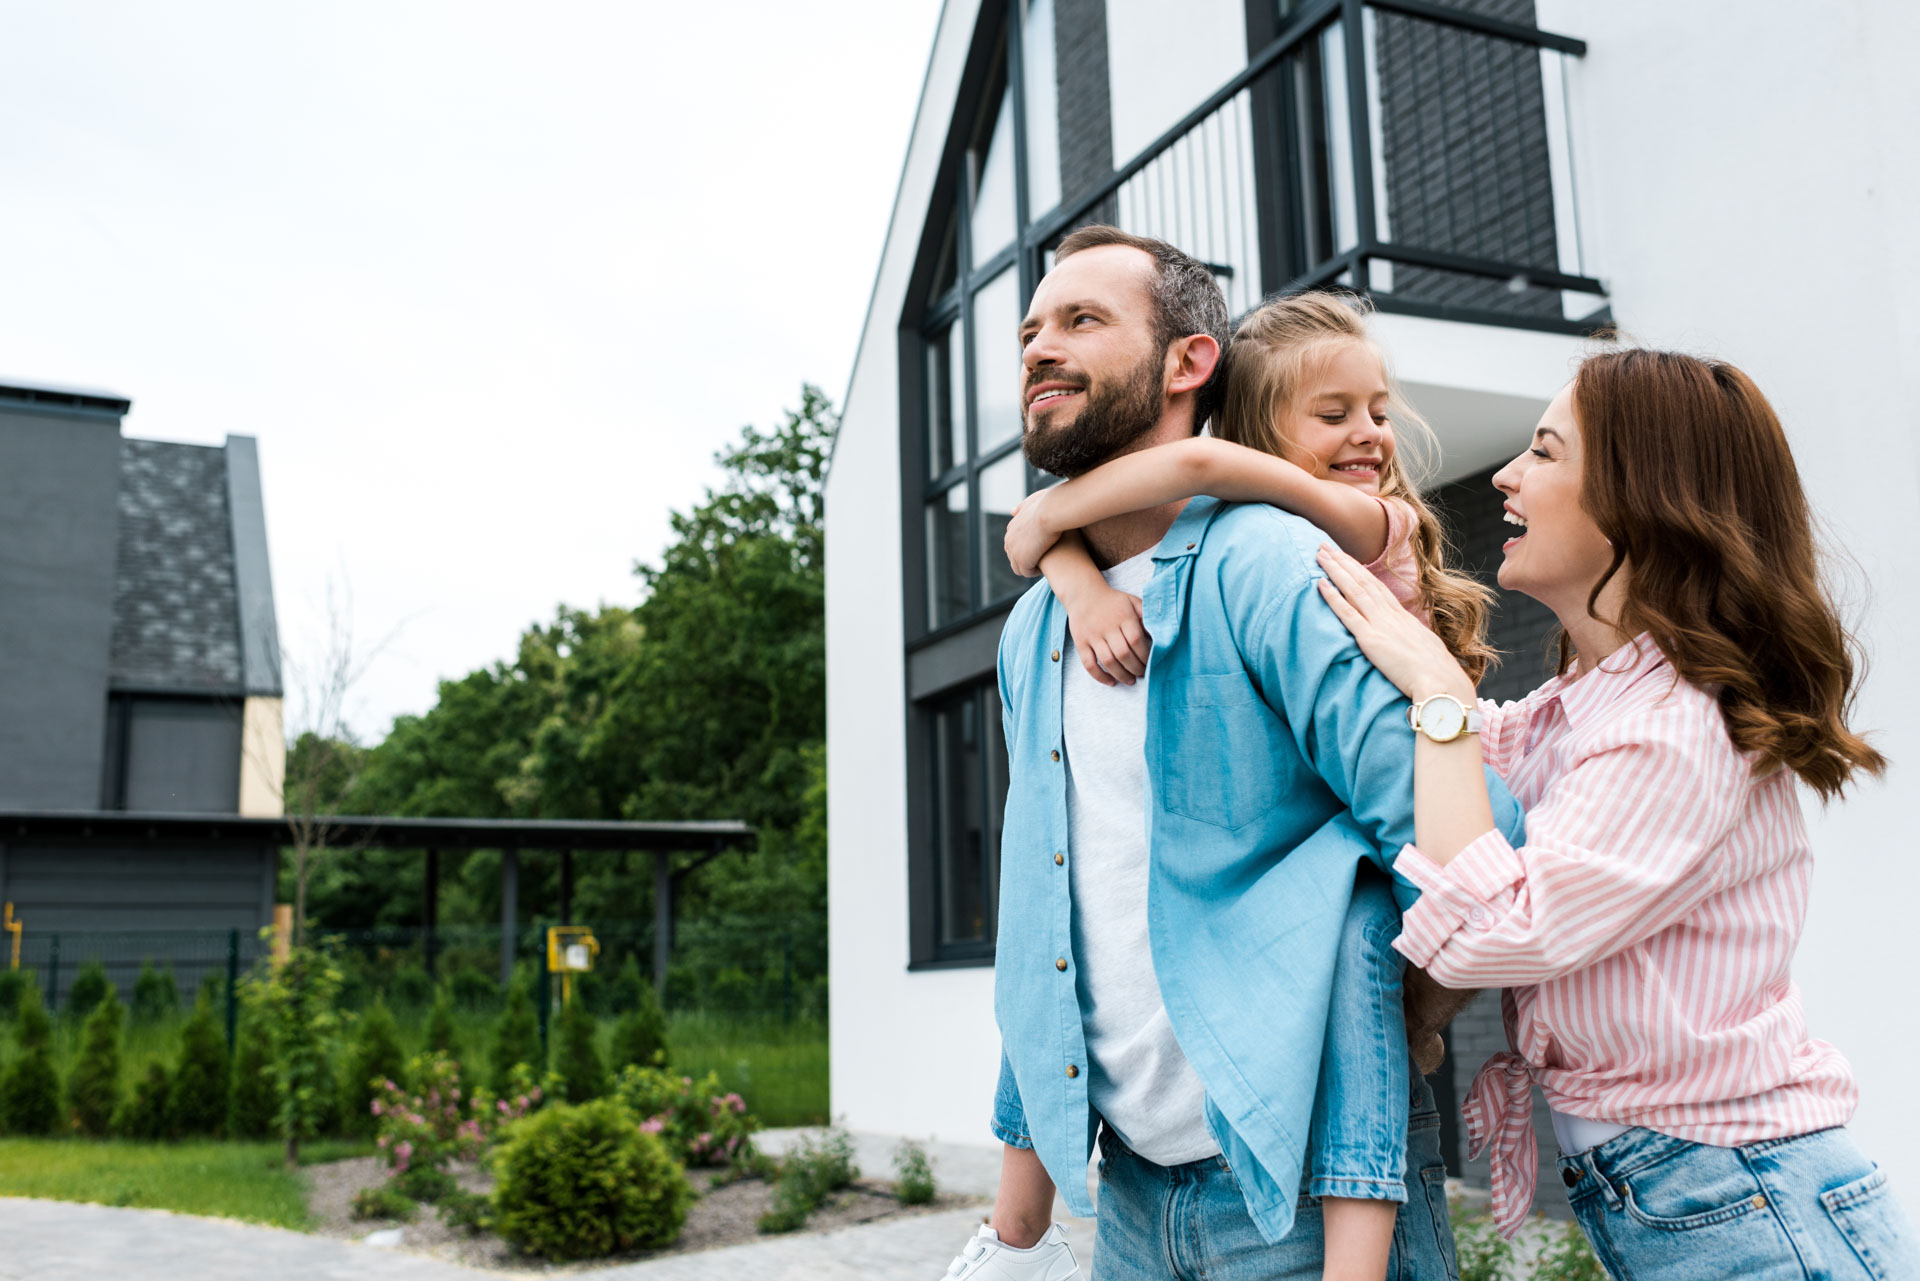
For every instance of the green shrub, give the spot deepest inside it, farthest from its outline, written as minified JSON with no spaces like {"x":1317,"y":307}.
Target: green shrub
{"x":702,"y":1125}
{"x":88,"y":990}
{"x":297,"y":998}
{"x":13,"y":984}
{"x":93,"y":1091}
{"x":442,"y":1036}
{"x":474,"y":990}
{"x":198,"y":1101}
{"x":516,"y":1038}
{"x":250,"y":1104}
{"x":422,"y":1182}
{"x":582,"y":1182}
{"x":1568,"y":1259}
{"x":372,"y":1056}
{"x":213,"y":989}
{"x":641,"y":1034}
{"x":383,"y":1201}
{"x":144,"y":1114}
{"x":575,"y":1056}
{"x":155,"y":994}
{"x":471,"y":1212}
{"x":813,"y":1170}
{"x":29,"y":1089}
{"x":410,"y":988}
{"x":912,"y":1174}
{"x":1483,"y":1254}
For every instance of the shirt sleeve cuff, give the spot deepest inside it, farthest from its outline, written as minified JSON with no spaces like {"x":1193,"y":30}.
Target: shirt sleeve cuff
{"x":1472,"y":893}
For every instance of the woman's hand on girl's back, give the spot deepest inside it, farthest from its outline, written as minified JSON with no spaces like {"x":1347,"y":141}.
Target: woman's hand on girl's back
{"x":1029,"y":537}
{"x":1400,"y":645}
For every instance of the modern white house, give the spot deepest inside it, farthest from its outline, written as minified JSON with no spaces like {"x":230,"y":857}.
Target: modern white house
{"x":1503,"y":177}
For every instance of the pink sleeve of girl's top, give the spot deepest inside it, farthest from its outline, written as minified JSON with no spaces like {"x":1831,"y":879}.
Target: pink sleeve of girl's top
{"x":1395,"y":565}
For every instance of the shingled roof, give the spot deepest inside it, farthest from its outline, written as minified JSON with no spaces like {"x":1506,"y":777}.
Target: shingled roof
{"x":183,"y":570}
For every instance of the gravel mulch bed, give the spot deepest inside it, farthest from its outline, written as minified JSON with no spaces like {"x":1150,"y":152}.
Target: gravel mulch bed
{"x":722,"y":1216}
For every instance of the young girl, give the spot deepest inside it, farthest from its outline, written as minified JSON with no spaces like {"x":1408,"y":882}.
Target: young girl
{"x":1310,"y":424}
{"x":1645,"y":928}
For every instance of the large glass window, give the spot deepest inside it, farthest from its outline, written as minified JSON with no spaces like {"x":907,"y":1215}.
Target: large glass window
{"x":969,"y":785}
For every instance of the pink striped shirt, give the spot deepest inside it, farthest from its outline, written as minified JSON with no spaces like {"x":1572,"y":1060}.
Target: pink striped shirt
{"x":1644,"y":932}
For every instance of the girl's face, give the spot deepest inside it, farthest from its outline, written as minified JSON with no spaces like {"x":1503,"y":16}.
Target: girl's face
{"x":1557,"y":552}
{"x":1338,"y":428}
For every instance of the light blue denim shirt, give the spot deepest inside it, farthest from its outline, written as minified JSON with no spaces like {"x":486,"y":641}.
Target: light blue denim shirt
{"x":1278,"y":761}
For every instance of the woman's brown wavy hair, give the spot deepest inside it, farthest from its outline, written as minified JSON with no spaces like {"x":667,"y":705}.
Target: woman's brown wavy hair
{"x":1688,"y":474}
{"x":1277,"y":351}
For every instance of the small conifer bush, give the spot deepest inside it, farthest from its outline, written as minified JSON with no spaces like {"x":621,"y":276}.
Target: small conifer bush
{"x":576,"y":1057}
{"x":442,"y":1035}
{"x":155,"y":994}
{"x":474,"y":990}
{"x":410,"y":988}
{"x":88,"y":990}
{"x":13,"y":984}
{"x":373,"y":1056}
{"x":640,"y":1035}
{"x":912,"y":1174}
{"x":29,"y":1088}
{"x":144,"y":1113}
{"x":93,"y":1091}
{"x":516,"y":1037}
{"x":251,"y":1104}
{"x":383,"y":1201}
{"x":197,"y":1099}
{"x":583,"y":1182}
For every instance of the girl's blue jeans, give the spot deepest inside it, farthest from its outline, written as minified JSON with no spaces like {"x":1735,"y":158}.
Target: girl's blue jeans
{"x":1657,"y":1208}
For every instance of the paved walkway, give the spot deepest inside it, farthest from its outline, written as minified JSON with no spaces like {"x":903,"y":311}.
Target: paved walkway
{"x":63,"y":1241}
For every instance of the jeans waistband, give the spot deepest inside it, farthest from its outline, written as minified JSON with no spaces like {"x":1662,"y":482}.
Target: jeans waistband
{"x":1112,"y":1146}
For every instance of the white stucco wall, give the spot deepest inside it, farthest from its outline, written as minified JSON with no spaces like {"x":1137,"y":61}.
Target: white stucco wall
{"x":1749,"y":182}
{"x":911,"y":1053}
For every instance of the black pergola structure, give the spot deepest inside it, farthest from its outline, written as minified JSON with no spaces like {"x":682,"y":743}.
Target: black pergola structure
{"x":126,"y":833}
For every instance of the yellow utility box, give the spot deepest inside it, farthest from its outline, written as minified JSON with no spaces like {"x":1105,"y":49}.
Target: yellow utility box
{"x":570,"y":951}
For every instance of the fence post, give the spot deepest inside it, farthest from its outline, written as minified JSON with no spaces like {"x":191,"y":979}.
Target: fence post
{"x":546,"y":988}
{"x":53,"y":974}
{"x":786,"y":980}
{"x":233,"y":985}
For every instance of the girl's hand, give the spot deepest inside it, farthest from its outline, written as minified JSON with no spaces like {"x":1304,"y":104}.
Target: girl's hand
{"x":1110,"y":637}
{"x":1028,"y":536}
{"x":1406,"y":653}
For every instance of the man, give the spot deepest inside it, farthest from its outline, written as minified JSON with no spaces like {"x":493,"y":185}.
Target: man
{"x":1180,"y":855}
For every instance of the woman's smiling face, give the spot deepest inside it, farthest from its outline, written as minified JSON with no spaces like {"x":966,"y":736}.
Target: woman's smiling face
{"x":1558,"y":553}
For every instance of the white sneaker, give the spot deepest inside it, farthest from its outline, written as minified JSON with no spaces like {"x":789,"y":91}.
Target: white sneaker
{"x":987,"y":1258}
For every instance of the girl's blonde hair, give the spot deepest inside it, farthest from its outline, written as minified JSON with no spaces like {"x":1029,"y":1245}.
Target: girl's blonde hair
{"x":1276,"y":353}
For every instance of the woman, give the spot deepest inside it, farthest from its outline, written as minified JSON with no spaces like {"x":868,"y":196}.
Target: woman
{"x":1646,"y":928}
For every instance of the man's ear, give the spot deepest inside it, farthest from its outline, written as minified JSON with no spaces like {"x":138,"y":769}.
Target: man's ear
{"x":1190,"y":362}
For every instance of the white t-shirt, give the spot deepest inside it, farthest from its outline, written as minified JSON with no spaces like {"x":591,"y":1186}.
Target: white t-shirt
{"x":1139,"y":1080}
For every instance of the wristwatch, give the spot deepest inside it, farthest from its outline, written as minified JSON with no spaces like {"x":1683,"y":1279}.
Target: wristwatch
{"x":1443,"y":718}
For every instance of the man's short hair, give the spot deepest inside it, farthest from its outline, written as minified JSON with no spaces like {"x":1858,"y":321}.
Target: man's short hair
{"x":1186,"y":300}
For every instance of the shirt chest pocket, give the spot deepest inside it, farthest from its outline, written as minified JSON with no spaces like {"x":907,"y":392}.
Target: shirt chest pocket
{"x":1217,"y":752}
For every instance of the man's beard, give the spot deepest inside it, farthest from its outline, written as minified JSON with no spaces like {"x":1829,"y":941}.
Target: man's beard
{"x":1112,"y":418}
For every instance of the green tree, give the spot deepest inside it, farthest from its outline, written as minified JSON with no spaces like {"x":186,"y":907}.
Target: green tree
{"x":373,"y":1055}
{"x":640,"y":1033}
{"x":155,"y":994}
{"x":516,"y":1038}
{"x":89,"y":988}
{"x":443,"y":1035}
{"x":29,"y":1089}
{"x":251,"y":1103}
{"x":197,"y":1101}
{"x":297,"y":999}
{"x":144,"y":1113}
{"x":93,"y":1091}
{"x":13,"y":984}
{"x":576,"y":1057}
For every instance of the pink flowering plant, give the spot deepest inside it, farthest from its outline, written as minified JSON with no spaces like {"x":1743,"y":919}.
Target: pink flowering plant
{"x":701,"y":1123}
{"x":439,"y":1121}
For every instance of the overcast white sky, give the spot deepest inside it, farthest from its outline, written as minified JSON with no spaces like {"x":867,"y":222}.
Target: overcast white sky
{"x":489,"y":283}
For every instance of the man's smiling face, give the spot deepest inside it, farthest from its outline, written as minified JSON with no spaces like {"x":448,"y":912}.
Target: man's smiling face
{"x":1093,"y":376}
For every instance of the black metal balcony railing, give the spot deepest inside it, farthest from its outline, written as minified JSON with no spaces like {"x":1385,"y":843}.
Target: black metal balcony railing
{"x":1414,"y":152}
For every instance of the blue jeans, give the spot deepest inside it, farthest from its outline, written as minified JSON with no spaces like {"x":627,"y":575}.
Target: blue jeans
{"x":1188,"y":1222}
{"x":1791,"y":1209}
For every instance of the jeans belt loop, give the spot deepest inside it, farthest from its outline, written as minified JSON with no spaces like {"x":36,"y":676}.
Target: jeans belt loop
{"x":1607,"y":1188}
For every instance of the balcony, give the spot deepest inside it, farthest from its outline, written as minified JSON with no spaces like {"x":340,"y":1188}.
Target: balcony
{"x":1412,"y":152}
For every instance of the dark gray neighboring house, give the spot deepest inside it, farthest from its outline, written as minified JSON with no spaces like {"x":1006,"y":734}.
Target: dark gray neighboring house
{"x":141,"y":668}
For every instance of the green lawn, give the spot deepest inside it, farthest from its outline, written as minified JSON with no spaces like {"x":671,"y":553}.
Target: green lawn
{"x":246,"y":1181}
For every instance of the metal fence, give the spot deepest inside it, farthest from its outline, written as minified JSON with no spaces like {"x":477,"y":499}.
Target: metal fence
{"x":742,"y":967}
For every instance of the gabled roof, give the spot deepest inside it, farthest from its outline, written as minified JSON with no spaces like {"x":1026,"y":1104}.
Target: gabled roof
{"x":193,"y":602}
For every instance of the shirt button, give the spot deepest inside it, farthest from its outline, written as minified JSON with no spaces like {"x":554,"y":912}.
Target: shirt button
{"x":1056,"y":753}
{"x":1477,"y":915}
{"x":1191,"y":546}
{"x":1059,"y":859}
{"x":1056,"y":655}
{"x":1060,"y":964}
{"x":1072,"y":1071}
